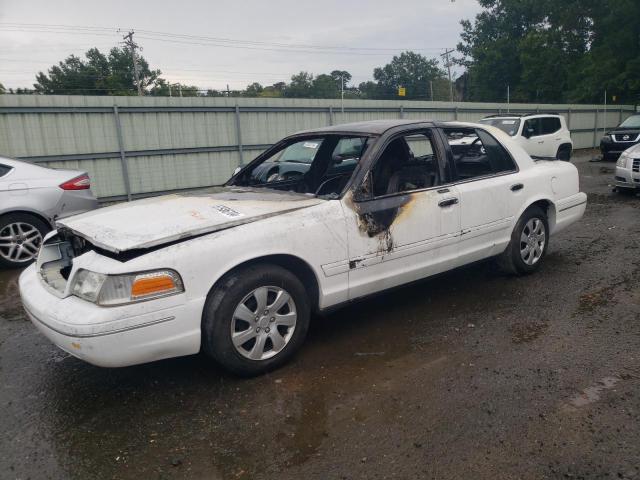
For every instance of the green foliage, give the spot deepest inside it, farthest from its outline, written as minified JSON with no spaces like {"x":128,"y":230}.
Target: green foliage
{"x":410,"y":70}
{"x":551,"y":51}
{"x":2,"y":89}
{"x":253,"y":90}
{"x":162,"y":88}
{"x":99,"y":74}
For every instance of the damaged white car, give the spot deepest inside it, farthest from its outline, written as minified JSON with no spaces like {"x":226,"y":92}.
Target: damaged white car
{"x":322,"y":218}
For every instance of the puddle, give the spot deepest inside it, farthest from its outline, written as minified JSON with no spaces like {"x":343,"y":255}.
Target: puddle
{"x":594,"y":392}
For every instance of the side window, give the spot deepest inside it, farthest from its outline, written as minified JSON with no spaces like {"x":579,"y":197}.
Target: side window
{"x":550,"y":125}
{"x":533,"y":127}
{"x":499,"y":158}
{"x":407,"y":163}
{"x":4,"y":170}
{"x":477,"y":154}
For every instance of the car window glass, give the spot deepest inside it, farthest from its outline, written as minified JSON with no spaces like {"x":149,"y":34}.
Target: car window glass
{"x":476,"y":153}
{"x":508,"y":125}
{"x":407,"y":163}
{"x":533,"y":126}
{"x":317,"y":165}
{"x":632,"y":122}
{"x":550,"y":125}
{"x":4,"y":169}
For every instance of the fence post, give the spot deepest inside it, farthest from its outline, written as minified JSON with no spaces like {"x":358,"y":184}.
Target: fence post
{"x":239,"y":134}
{"x":569,"y":120}
{"x":330,"y":116}
{"x":455,"y":113}
{"x":620,"y":116}
{"x":401,"y":111}
{"x":595,"y":129}
{"x":123,"y":154}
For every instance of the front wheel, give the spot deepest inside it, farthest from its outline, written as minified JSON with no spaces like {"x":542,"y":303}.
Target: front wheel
{"x":255,"y":319}
{"x":528,"y":245}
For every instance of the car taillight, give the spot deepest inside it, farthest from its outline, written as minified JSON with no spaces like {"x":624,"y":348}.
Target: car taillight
{"x":79,"y":183}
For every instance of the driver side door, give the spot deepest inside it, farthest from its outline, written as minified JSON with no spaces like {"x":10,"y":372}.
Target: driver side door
{"x":406,"y":224}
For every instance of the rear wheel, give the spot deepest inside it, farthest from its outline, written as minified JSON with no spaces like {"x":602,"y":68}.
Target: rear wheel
{"x":255,"y":319}
{"x":564,"y":153}
{"x":21,"y":235}
{"x":528,"y":245}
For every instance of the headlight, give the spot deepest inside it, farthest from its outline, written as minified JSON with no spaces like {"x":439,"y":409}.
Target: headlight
{"x":112,"y":290}
{"x":622,"y":161}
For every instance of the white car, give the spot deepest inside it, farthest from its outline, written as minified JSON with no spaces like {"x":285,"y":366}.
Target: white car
{"x":627,"y":176}
{"x":236,"y":271}
{"x":542,"y":135}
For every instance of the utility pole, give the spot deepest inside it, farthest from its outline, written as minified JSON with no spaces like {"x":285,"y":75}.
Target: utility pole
{"x":508,"y":98}
{"x":342,"y":93}
{"x":431,"y":88}
{"x":128,"y":42}
{"x":446,"y":56}
{"x":604,"y":120}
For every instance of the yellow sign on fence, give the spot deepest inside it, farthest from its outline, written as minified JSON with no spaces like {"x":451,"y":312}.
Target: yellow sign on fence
{"x":402,"y":91}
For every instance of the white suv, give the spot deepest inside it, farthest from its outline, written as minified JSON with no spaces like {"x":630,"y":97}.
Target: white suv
{"x":541,"y":135}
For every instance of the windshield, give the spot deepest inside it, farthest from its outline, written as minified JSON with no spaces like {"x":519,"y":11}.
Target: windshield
{"x":632,"y":122}
{"x":301,"y":152}
{"x":509,"y":126}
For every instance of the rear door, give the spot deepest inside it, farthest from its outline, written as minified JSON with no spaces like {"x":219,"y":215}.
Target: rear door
{"x":535,"y":144}
{"x":490,"y":191}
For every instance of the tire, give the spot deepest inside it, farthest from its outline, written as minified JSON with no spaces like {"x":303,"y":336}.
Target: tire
{"x":564,"y":153}
{"x":512,"y":260}
{"x":224,"y":308}
{"x":21,"y":235}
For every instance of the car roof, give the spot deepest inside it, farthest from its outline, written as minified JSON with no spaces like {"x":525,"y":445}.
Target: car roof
{"x":371,"y":127}
{"x":520,"y":115}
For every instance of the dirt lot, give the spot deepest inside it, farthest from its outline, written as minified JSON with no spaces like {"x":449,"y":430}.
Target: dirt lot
{"x":470,"y":375}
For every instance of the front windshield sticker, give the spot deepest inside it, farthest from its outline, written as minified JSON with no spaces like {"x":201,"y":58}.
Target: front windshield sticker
{"x":227,"y":212}
{"x":310,"y":145}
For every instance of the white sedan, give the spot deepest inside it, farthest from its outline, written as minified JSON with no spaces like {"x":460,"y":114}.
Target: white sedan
{"x":236,"y":271}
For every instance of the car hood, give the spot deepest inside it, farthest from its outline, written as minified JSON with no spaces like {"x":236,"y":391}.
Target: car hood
{"x":624,"y":131}
{"x":156,"y":221}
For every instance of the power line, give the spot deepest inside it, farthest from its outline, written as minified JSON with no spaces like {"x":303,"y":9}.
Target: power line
{"x":133,"y":46}
{"x":214,"y":41}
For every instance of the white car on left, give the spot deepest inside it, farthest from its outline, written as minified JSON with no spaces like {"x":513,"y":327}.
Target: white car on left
{"x":32,"y":198}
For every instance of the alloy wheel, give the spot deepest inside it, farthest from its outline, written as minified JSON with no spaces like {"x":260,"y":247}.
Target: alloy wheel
{"x":263,"y":323}
{"x":19,"y":242}
{"x":532,"y":241}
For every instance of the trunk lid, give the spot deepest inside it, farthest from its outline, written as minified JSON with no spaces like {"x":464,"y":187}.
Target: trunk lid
{"x":155,"y":221}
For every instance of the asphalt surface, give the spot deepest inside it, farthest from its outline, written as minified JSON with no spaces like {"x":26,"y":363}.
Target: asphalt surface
{"x":471,"y":375}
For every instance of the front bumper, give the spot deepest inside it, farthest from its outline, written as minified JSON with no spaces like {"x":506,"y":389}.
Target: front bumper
{"x":626,"y":178}
{"x":116,"y":336}
{"x":612,"y":150}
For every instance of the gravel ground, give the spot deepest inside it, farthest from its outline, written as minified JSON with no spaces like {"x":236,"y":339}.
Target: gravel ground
{"x":470,"y":375}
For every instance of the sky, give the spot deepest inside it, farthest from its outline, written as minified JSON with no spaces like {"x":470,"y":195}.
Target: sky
{"x":213,"y":44}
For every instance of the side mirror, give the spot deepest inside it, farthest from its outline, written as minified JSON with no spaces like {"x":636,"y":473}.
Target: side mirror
{"x":236,"y":171}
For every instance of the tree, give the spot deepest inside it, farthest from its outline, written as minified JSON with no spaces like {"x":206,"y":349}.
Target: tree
{"x":338,"y":76}
{"x":162,"y":88}
{"x":410,"y":70}
{"x":369,"y":90}
{"x":99,"y":74}
{"x":550,"y":51}
{"x":300,"y":86}
{"x":2,"y":89}
{"x":324,"y":86}
{"x":254,"y":90}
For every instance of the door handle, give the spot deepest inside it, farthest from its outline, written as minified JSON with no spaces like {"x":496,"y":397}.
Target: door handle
{"x":447,"y":202}
{"x":516,"y":187}
{"x":540,"y":142}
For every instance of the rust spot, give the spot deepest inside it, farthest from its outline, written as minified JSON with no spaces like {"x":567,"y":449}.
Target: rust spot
{"x":76,"y":345}
{"x":196,"y":214}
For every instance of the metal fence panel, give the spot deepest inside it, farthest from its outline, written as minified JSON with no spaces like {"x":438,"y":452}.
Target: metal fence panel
{"x":175,"y":143}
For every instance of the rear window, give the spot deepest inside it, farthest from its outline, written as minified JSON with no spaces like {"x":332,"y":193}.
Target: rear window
{"x":4,"y":169}
{"x":509,"y":126}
